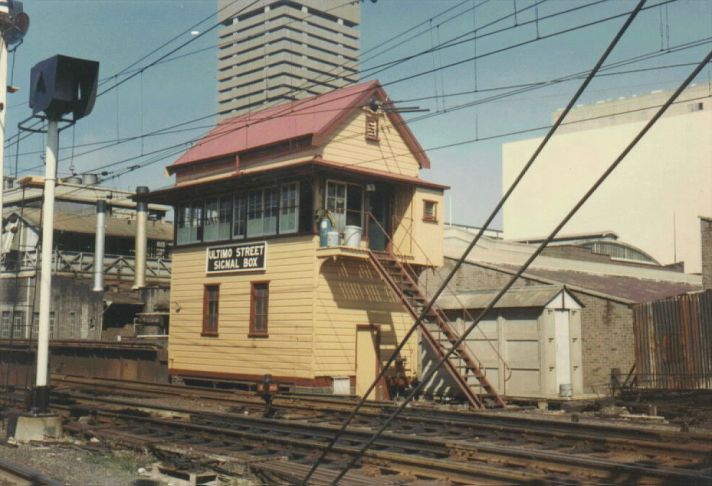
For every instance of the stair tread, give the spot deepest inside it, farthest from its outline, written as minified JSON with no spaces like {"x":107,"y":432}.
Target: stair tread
{"x":439,"y":330}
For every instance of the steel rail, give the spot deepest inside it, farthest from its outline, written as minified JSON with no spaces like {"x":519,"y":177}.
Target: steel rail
{"x":456,"y":439}
{"x":482,"y":421}
{"x":399,"y":451}
{"x":17,"y":474}
{"x":451,"y":455}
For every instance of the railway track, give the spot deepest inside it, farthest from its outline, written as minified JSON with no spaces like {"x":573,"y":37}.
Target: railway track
{"x":425,"y":443}
{"x":19,"y":475}
{"x":500,"y":428}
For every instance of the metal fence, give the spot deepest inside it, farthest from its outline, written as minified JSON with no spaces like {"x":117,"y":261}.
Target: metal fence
{"x":121,"y":267}
{"x":673,"y":342}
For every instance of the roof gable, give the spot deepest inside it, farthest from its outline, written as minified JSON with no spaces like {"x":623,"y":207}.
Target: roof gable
{"x":313,"y":117}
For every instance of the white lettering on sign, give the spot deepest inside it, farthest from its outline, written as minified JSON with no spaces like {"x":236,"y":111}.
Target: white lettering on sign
{"x":234,"y":258}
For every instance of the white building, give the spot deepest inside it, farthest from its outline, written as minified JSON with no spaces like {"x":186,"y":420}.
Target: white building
{"x":652,"y":200}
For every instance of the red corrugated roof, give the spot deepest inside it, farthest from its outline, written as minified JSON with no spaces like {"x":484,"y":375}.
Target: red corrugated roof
{"x":313,"y":116}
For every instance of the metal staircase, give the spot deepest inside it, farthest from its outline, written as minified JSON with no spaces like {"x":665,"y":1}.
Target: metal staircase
{"x":437,"y":331}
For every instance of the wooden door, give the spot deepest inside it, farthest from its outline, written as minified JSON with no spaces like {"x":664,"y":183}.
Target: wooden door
{"x":367,"y":359}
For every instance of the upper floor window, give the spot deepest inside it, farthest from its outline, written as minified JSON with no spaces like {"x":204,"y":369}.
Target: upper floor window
{"x":430,"y":211}
{"x":289,"y":208}
{"x":189,"y":223}
{"x":218,"y":213}
{"x":259,"y":212}
{"x":345,"y":202}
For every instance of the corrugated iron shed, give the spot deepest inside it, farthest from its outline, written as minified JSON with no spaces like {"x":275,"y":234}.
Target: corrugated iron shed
{"x":76,"y":222}
{"x":514,"y":298}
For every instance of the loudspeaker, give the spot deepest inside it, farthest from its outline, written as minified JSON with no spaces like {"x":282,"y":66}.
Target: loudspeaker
{"x":63,"y":84}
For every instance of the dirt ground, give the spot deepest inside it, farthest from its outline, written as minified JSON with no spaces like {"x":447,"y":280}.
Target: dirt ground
{"x":75,"y":465}
{"x":93,"y":463}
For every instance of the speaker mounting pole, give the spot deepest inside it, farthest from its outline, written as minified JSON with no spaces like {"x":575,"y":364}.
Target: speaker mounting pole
{"x":59,"y":85}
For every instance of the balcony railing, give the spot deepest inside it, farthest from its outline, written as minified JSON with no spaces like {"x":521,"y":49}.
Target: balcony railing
{"x":120,"y":267}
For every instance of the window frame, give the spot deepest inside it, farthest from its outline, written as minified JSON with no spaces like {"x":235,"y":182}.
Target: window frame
{"x":208,"y":330}
{"x":253,"y":332}
{"x":345,"y":218}
{"x":426,"y":217}
{"x":228,"y":215}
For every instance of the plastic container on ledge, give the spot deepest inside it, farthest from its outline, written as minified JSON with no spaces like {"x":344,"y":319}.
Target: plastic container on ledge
{"x":332,"y":238}
{"x":352,"y":236}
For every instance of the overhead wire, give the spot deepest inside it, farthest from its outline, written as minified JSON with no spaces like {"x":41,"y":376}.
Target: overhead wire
{"x":531,"y":258}
{"x":144,"y":68}
{"x":443,"y":284}
{"x":287,"y":109}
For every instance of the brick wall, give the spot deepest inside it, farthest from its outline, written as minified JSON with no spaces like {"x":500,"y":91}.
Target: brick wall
{"x":606,"y":326}
{"x":469,"y":277}
{"x":706,"y":239}
{"x":607,"y":340}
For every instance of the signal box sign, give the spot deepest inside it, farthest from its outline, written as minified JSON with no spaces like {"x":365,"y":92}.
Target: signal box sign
{"x":246,"y":257}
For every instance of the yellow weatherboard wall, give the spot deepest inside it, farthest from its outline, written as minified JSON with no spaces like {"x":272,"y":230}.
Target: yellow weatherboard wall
{"x":390,"y":154}
{"x":323,"y":303}
{"x":288,"y":349}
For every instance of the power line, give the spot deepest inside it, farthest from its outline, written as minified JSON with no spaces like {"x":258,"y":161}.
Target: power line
{"x":452,"y":272}
{"x":526,"y":86}
{"x":532,"y":257}
{"x":148,"y":66}
{"x":418,"y":74}
{"x":521,"y":44}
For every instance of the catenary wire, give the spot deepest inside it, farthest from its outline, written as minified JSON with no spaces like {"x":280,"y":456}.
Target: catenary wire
{"x":446,"y":280}
{"x":204,"y":139}
{"x":528,"y":262}
{"x":532,"y":85}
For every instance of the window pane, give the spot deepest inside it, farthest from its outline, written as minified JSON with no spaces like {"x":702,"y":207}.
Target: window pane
{"x":289,"y":210}
{"x":211,"y":298}
{"x":254,"y":213}
{"x":259,"y":308}
{"x":354,"y":202}
{"x":240,"y":212}
{"x":211,"y":220}
{"x":5,"y":324}
{"x":186,"y":232}
{"x":271,"y":206}
{"x":196,"y":222}
{"x":224,"y":218}
{"x":336,"y":203}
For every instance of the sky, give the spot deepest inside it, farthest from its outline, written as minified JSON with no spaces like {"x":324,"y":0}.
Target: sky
{"x":463,"y":142}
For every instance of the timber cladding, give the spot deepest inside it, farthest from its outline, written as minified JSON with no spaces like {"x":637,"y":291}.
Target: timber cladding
{"x":315,"y":306}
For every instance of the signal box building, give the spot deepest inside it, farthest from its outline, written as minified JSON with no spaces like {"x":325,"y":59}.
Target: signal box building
{"x":254,"y":288}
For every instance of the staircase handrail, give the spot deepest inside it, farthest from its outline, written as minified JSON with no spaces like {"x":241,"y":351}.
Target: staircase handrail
{"x":468,"y":315}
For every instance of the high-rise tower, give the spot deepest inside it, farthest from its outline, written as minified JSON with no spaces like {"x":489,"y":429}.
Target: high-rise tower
{"x":279,"y":50}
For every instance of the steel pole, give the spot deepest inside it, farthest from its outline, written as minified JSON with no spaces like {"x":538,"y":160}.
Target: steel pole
{"x":141,"y":242}
{"x":4,"y":10}
{"x":41,"y":395}
{"x":99,"y":246}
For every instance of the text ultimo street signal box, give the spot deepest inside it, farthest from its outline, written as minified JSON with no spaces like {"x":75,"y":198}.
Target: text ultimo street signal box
{"x":253,"y":289}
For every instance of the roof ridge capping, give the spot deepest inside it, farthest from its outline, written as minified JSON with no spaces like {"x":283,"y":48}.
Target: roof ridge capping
{"x":294,"y":120}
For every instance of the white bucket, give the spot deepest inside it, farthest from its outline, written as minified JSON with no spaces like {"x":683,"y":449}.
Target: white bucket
{"x":332,"y":238}
{"x":352,"y":236}
{"x":566,"y":390}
